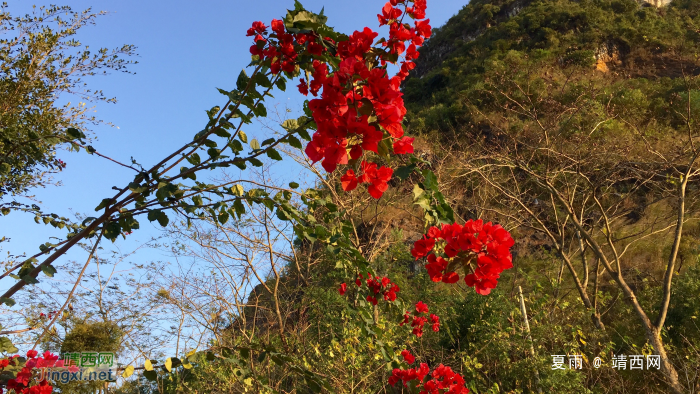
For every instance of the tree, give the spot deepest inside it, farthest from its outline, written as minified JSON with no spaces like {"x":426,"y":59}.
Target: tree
{"x":41,"y":65}
{"x":356,"y":121}
{"x":599,"y":165}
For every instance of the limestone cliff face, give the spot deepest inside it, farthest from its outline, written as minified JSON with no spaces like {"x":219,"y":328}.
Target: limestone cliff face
{"x":477,"y":17}
{"x":607,"y":54}
{"x":657,"y":3}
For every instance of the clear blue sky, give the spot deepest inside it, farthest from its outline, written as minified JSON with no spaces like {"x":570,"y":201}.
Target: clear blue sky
{"x":186,"y":50}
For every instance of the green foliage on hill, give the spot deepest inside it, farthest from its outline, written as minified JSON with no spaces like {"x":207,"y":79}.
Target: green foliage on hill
{"x":460,"y":55}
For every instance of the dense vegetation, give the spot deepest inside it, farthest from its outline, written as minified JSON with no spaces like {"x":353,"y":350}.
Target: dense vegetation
{"x":519,"y":103}
{"x":574,"y":124}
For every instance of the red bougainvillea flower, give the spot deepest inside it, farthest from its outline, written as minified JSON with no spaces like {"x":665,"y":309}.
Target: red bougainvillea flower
{"x":418,"y":373}
{"x":358,"y":104}
{"x":418,"y":320}
{"x":257,"y":28}
{"x":444,"y":380}
{"x":389,"y":14}
{"x":403,"y":146}
{"x":343,"y":289}
{"x":303,"y":87}
{"x":408,"y":357}
{"x":20,"y":384}
{"x":435,"y":322}
{"x":349,"y":181}
{"x":377,"y":178}
{"x":417,"y":324}
{"x":422,"y":247}
{"x":406,"y":318}
{"x":482,"y":249}
{"x":42,"y":388}
{"x":379,"y":287}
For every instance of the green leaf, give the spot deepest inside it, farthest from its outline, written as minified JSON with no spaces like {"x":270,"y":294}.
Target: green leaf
{"x":254,"y":144}
{"x":243,"y":136}
{"x":235,"y":146}
{"x":7,"y":301}
{"x":242,"y":81}
{"x":290,"y":125}
{"x":128,"y":371}
{"x":261,"y":356}
{"x":405,"y":171}
{"x":220,"y":132}
{"x":163,"y":219}
{"x":417,"y":191}
{"x":150,"y":375}
{"x":138,"y":188}
{"x":304,"y":134}
{"x":262,"y":80}
{"x":273,"y":154}
{"x":239,"y":207}
{"x":223,"y":217}
{"x":270,"y":204}
{"x":193,"y":159}
{"x":430,"y":181}
{"x":74,"y":134}
{"x":255,"y":162}
{"x":29,"y":279}
{"x":112,"y":231}
{"x":105,"y":202}
{"x":281,"y":84}
{"x":6,"y":345}
{"x":294,"y":142}
{"x":293,"y":185}
{"x":237,"y":190}
{"x":282,"y":215}
{"x":153,"y":214}
{"x":260,"y":110}
{"x":383,"y":148}
{"x":313,"y":385}
{"x":48,"y":270}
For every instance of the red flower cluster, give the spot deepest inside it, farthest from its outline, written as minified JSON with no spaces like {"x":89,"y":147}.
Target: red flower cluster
{"x":419,"y":321}
{"x":408,"y":357}
{"x":280,"y":50}
{"x":486,"y":244}
{"x":20,"y":384}
{"x":50,"y":316}
{"x":435,"y":321}
{"x":444,"y":380}
{"x":379,"y":287}
{"x":360,"y":105}
{"x":378,"y":179}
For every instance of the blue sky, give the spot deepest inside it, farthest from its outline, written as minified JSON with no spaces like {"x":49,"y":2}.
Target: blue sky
{"x":186,"y":50}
